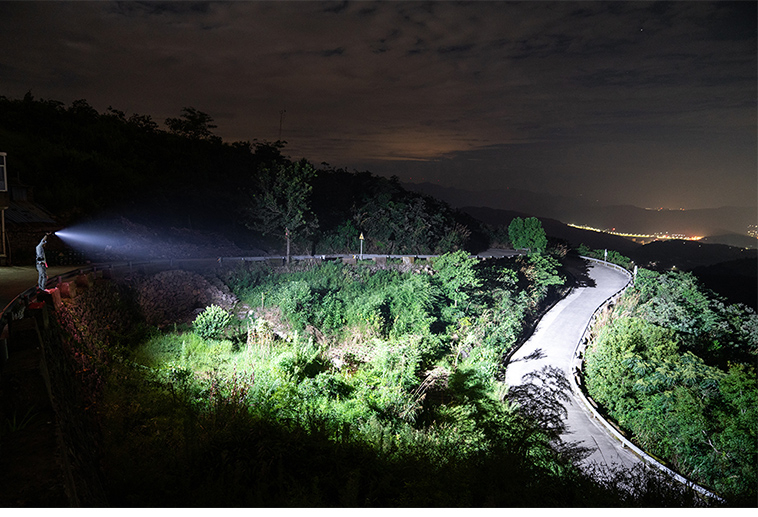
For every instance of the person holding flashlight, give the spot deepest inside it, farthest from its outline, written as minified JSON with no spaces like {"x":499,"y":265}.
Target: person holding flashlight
{"x":42,"y":263}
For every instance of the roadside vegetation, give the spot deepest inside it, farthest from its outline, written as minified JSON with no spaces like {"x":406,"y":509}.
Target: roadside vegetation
{"x":612,"y":256}
{"x":675,"y":366}
{"x":338,"y":385}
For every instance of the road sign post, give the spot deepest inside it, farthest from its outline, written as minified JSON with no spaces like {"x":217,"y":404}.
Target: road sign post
{"x":361,"y":238}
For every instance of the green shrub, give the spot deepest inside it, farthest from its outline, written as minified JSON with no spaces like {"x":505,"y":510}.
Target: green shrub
{"x":611,"y":256}
{"x":457,"y":275}
{"x":527,"y":234}
{"x":212,"y":322}
{"x":296,"y":301}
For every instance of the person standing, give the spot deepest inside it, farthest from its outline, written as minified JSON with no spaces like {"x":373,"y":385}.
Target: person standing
{"x":42,"y":263}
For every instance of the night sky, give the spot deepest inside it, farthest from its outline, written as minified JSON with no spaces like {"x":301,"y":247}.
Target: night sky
{"x":652,"y":104}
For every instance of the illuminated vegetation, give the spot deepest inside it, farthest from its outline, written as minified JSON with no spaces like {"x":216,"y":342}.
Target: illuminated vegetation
{"x":343,"y":386}
{"x":676,"y":367}
{"x":527,"y":234}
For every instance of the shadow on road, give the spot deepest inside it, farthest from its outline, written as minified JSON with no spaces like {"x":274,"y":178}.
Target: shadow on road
{"x":542,"y":398}
{"x":537,"y":354}
{"x":579,"y":272}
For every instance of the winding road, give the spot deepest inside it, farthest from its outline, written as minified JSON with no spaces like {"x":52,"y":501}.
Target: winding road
{"x":553,"y":344}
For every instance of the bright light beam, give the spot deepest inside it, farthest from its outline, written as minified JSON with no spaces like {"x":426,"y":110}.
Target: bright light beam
{"x":88,"y":239}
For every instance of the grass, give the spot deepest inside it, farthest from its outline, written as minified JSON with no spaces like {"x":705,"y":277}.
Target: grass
{"x":18,"y":422}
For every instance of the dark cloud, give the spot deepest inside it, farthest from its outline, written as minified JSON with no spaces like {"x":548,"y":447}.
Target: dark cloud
{"x":654,"y":101}
{"x":335,"y":7}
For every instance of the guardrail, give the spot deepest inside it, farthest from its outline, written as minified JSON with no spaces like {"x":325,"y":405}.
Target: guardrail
{"x":577,"y":386}
{"x":23,"y":299}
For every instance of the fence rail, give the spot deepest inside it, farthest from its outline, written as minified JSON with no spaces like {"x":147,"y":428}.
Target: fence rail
{"x":577,"y":386}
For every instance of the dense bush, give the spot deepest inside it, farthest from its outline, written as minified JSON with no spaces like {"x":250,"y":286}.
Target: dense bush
{"x":527,"y":234}
{"x":612,"y":256}
{"x":676,"y":367}
{"x":212,"y":323}
{"x":391,"y":219}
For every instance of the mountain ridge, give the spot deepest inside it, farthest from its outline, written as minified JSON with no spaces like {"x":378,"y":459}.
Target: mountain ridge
{"x":623,"y":217}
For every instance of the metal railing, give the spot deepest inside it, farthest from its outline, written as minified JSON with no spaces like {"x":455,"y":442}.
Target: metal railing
{"x":577,"y":383}
{"x":22,"y":301}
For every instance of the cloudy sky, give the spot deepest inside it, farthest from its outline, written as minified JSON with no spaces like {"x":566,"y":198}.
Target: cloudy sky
{"x":652,"y":104}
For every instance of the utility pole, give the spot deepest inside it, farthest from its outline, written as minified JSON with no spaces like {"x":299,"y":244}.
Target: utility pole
{"x":281,"y":120}
{"x":287,"y":235}
{"x":4,"y":202}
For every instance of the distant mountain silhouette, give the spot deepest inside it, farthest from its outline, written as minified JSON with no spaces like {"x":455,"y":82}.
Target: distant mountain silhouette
{"x":732,"y":239}
{"x":624,"y":218}
{"x":737,"y":280}
{"x":555,"y":229}
{"x":686,"y":255}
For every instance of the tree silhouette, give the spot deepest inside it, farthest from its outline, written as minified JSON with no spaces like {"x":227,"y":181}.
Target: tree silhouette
{"x":193,"y":124}
{"x":280,"y":201}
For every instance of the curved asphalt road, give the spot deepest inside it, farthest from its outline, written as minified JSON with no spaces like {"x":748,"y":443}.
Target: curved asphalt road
{"x":553,"y":344}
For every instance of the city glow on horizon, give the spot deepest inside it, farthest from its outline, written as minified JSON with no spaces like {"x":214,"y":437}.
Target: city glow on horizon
{"x":655,"y":236}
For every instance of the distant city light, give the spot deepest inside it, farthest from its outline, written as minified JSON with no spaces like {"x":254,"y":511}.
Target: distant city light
{"x":654,"y":236}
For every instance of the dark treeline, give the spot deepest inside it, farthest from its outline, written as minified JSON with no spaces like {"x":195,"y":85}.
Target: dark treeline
{"x":83,"y":164}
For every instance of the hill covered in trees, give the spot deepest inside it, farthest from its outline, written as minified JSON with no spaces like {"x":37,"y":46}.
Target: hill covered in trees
{"x":83,"y":165}
{"x":675,"y":366}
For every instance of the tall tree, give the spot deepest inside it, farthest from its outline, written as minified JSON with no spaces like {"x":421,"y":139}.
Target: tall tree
{"x":193,"y":124}
{"x":456,"y":274}
{"x":527,"y":234}
{"x":280,"y":201}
